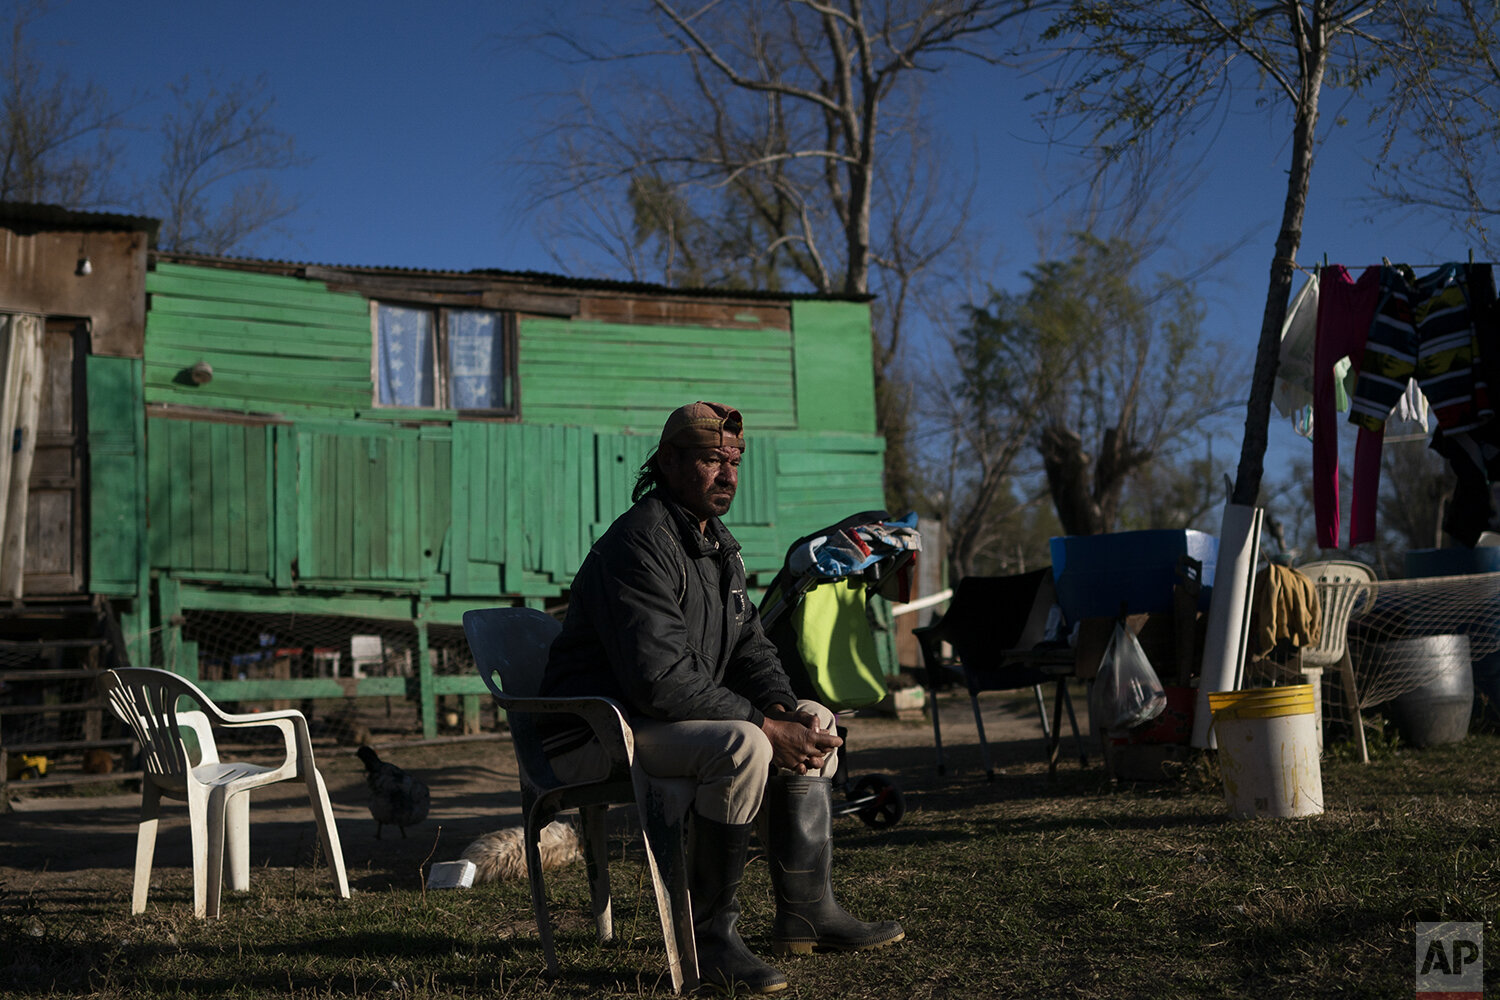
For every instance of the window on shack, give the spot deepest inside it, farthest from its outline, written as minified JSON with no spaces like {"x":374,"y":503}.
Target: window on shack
{"x":444,"y":358}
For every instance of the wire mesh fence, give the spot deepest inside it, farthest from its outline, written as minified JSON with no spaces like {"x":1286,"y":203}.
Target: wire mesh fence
{"x":1388,"y":664}
{"x":49,"y":693}
{"x":241,"y":646}
{"x":1391,"y":617}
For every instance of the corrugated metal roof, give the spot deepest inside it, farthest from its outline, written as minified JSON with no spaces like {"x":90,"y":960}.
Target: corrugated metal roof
{"x":520,"y":277}
{"x":31,"y":213}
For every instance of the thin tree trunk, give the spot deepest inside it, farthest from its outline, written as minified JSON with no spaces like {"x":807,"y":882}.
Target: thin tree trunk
{"x":1288,"y":240}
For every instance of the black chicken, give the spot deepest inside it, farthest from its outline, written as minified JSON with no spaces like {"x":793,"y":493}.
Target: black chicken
{"x":396,"y":797}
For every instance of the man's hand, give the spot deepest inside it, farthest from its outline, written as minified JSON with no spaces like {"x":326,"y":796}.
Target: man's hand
{"x":797,"y":743}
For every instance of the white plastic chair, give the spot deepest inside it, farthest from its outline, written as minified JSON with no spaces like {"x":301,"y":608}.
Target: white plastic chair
{"x":1344,"y":591}
{"x":217,"y":792}
{"x":510,"y":649}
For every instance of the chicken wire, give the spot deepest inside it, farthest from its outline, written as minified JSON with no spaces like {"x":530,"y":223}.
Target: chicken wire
{"x":1385,"y":665}
{"x":1409,"y":609}
{"x":232,"y":645}
{"x":34,"y":709}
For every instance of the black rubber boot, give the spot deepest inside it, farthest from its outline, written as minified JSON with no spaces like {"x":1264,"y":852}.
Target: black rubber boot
{"x":799,"y":834}
{"x":717,"y":862}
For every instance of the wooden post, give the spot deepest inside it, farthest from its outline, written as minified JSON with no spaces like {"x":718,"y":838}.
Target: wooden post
{"x":169,"y":619}
{"x":427,"y":696}
{"x":1351,"y":698}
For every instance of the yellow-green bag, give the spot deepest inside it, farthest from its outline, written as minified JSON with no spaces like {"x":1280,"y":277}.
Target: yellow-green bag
{"x":837,"y":648}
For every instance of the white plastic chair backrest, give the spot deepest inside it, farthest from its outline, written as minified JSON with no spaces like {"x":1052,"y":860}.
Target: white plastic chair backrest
{"x":146,"y":701}
{"x":1342,"y":586}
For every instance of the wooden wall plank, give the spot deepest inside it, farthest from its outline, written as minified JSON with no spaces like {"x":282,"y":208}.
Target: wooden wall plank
{"x":181,"y":281}
{"x":270,"y":309}
{"x":339,"y":372}
{"x":268,"y":388}
{"x":570,"y":555}
{"x":624,"y":377}
{"x":257,"y":474}
{"x":415,"y":524}
{"x":115,"y":453}
{"x":471,"y":486}
{"x":180,"y":464}
{"x":205,"y":528}
{"x":501,"y":439}
{"x":465,"y":444}
{"x":288,"y":511}
{"x":227,"y":444}
{"x":345,"y":485}
{"x":309,"y":497}
{"x":260,"y":339}
{"x":537,"y":478}
{"x":637,"y":309}
{"x":434,"y":496}
{"x":515,"y":537}
{"x":835,"y":384}
{"x":260,"y":335}
{"x":387,"y":459}
{"x":408,"y":483}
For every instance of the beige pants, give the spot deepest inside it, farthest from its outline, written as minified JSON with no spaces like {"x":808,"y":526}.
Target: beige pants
{"x":730,"y":761}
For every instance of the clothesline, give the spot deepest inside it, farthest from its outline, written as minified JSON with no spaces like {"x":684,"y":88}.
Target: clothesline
{"x":1313,"y":269}
{"x":1427,"y":343}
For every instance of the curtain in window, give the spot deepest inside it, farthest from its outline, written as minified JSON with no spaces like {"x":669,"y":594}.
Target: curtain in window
{"x":476,"y":360}
{"x":405,"y":356}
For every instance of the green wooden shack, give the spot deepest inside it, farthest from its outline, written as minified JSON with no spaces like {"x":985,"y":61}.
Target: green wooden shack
{"x":293,"y":479}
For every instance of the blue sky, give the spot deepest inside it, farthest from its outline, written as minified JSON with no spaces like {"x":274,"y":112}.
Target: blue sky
{"x":412,"y":116}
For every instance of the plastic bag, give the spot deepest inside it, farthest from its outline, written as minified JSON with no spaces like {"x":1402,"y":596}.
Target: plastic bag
{"x":1127,"y":693}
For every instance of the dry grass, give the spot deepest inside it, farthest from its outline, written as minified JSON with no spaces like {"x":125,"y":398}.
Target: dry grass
{"x":1027,"y":887}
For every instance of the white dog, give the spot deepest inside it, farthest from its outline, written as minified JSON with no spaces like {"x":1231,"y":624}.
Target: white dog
{"x":501,"y":855}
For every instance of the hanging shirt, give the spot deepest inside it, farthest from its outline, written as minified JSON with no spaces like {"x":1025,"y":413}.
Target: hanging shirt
{"x":1423,"y":329}
{"x":1346,"y":309}
{"x":1474,"y":455}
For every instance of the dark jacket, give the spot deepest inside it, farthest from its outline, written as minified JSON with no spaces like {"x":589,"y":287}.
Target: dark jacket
{"x":659,"y":620}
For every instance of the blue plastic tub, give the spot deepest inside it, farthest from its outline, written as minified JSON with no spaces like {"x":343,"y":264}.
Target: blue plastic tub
{"x":1096,"y":574}
{"x":1452,"y":562}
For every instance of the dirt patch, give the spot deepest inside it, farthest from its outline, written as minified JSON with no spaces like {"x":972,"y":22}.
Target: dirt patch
{"x":84,"y":846}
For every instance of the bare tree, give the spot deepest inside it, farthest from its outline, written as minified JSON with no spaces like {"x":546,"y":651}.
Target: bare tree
{"x":1142,"y":74}
{"x":58,"y":140}
{"x":214,"y":190}
{"x":1094,"y":371}
{"x":1450,"y":166}
{"x":1181,"y":488}
{"x":752,"y":138}
{"x":1142,"y":378}
{"x":986,"y":406}
{"x":220,"y":145}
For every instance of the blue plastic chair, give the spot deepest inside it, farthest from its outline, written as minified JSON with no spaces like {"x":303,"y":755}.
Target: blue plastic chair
{"x":510,"y":649}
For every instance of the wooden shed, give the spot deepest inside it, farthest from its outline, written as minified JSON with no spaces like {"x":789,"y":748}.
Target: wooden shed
{"x":295,"y":478}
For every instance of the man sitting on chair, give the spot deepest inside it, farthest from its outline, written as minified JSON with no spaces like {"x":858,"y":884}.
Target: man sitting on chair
{"x":660,"y":621}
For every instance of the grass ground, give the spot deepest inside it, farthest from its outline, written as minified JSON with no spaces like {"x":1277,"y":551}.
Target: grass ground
{"x":1029,"y":886}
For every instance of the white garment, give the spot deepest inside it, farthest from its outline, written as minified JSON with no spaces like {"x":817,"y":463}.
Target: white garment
{"x":1413,"y":405}
{"x":1292,"y":394}
{"x":1299,"y":333}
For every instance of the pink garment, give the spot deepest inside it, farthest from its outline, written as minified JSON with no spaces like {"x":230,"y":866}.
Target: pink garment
{"x":1346,"y":308}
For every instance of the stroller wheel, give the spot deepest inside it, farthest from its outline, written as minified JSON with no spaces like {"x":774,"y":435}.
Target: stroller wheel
{"x":886,"y":805}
